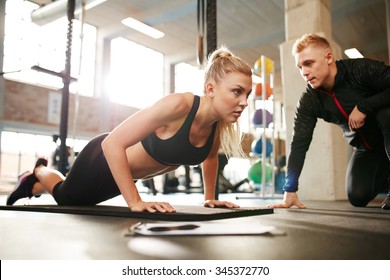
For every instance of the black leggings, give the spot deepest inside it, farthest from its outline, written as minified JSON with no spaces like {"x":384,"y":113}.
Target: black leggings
{"x":89,"y":181}
{"x":368,"y":171}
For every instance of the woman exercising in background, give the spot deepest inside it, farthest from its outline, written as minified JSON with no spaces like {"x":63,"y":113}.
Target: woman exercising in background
{"x":179,"y":129}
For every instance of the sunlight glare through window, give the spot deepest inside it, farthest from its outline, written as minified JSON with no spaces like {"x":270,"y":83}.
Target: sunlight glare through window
{"x":189,"y":78}
{"x":136,"y":77}
{"x":27,"y":44}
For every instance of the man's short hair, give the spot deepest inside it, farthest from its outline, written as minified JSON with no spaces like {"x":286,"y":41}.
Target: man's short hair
{"x":309,"y":40}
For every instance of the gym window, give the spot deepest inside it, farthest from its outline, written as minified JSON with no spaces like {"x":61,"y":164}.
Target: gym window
{"x":20,"y":151}
{"x":136,"y":74}
{"x":27,"y":44}
{"x":189,"y":78}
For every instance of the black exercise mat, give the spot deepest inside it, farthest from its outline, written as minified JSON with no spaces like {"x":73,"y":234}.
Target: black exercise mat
{"x":183,"y":212}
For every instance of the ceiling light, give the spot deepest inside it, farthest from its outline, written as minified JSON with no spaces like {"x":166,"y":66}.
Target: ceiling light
{"x":143,"y":28}
{"x":353,"y":53}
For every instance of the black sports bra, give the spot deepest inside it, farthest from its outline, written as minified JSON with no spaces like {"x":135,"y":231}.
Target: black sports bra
{"x":177,"y":150}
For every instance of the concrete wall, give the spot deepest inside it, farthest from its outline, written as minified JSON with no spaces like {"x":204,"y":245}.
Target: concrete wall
{"x":323,"y":175}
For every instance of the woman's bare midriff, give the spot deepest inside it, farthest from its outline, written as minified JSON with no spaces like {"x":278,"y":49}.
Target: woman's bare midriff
{"x":142,"y":165}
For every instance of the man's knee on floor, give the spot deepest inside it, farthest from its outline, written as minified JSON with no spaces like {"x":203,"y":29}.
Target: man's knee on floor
{"x":358,"y":199}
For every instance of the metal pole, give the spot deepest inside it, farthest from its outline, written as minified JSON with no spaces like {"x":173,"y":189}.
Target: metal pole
{"x":387,"y":2}
{"x":211,"y":23}
{"x":63,"y":164}
{"x":211,"y":18}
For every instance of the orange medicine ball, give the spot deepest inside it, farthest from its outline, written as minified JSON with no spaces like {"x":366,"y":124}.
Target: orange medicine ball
{"x":259,"y":90}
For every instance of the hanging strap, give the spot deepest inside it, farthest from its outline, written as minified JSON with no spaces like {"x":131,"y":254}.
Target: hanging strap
{"x":200,"y":53}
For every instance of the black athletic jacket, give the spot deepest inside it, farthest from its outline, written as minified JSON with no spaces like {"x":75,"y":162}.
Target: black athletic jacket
{"x":362,"y":82}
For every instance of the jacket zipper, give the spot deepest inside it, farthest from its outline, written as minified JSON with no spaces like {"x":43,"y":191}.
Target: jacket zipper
{"x":341,"y":109}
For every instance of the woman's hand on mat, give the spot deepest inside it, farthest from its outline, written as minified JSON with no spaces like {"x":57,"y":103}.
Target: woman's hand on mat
{"x":217,"y":203}
{"x":152,"y":207}
{"x":290,"y":199}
